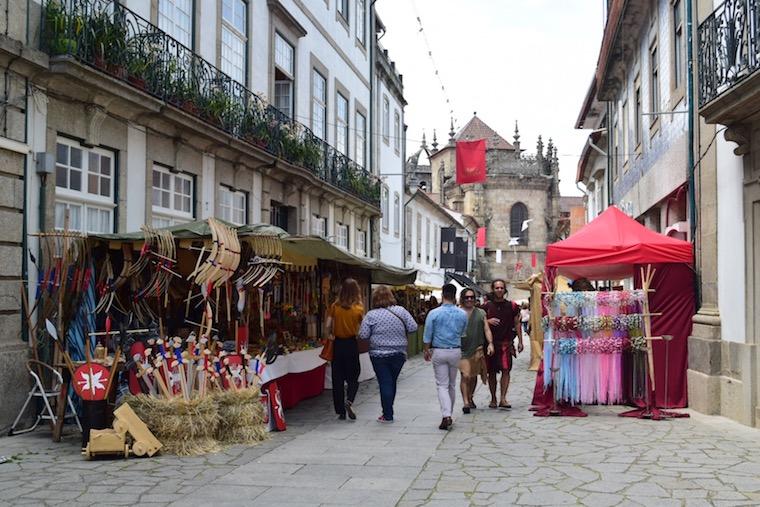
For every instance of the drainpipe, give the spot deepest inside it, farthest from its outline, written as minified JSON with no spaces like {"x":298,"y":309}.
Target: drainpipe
{"x":608,"y":173}
{"x":690,"y":140}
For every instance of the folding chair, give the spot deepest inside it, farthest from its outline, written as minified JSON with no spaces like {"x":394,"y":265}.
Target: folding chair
{"x":38,"y":390}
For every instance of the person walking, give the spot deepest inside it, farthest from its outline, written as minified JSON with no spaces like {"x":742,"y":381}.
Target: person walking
{"x":476,"y":334}
{"x":442,"y":342}
{"x":343,"y":320}
{"x":386,"y":327}
{"x":525,"y":317}
{"x":504,"y":320}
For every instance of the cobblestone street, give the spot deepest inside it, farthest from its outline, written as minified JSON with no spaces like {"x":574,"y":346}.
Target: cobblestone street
{"x":489,"y":458}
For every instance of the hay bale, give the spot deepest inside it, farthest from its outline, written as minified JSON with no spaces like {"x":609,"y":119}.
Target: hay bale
{"x":241,"y":416}
{"x":184,"y":427}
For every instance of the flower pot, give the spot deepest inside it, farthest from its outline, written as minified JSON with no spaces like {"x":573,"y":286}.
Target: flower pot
{"x":137,"y":82}
{"x":189,"y":107}
{"x":99,"y":62}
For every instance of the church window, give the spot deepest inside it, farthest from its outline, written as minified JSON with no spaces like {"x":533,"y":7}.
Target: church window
{"x":517,"y":216}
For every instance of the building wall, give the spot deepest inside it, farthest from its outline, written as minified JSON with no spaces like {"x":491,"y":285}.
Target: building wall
{"x":426,"y":259}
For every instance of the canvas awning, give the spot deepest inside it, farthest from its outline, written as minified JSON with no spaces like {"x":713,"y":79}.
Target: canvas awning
{"x":198,"y":229}
{"x":312,"y":247}
{"x":465,"y":282}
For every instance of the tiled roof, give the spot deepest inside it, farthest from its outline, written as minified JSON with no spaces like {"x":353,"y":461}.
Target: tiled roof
{"x":477,"y":129}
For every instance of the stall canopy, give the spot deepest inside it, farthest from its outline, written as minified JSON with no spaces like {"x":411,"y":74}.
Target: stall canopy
{"x":608,"y":247}
{"x":614,"y":246}
{"x":197,"y":230}
{"x":465,"y":282}
{"x":312,"y":247}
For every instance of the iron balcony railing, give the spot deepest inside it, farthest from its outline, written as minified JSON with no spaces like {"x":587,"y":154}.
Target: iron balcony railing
{"x":119,"y":42}
{"x":728,"y":47}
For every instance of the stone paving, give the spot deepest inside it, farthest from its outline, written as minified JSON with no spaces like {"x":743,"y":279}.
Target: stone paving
{"x":490,"y":457}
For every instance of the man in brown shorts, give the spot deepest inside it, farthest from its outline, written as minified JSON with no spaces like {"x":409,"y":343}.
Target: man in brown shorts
{"x":475,"y":335}
{"x":504,"y":320}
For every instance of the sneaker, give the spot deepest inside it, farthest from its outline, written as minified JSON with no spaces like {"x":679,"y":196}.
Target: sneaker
{"x":466,"y":410}
{"x":382,"y":419}
{"x":350,"y":411}
{"x":341,"y":417}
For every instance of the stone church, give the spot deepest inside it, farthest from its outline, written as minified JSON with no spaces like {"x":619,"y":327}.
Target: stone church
{"x":521,"y":190}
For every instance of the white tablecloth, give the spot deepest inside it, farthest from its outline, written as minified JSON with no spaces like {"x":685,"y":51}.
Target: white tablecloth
{"x":307,"y":360}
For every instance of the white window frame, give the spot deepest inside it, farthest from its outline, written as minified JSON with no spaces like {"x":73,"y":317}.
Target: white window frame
{"x":396,"y":214}
{"x":360,"y":149}
{"x":427,"y":241}
{"x":361,"y":22}
{"x":678,"y":44}
{"x":83,"y":198}
{"x":287,"y":68}
{"x":171,"y":215}
{"x":341,"y":124}
{"x":343,"y":10}
{"x":386,"y":119}
{"x":171,"y":14}
{"x":234,"y":40}
{"x":233,"y":205}
{"x":318,"y":226}
{"x":341,"y":235}
{"x":318,"y":105}
{"x":384,"y":205}
{"x":396,"y":131}
{"x":419,"y":238}
{"x":361,"y":243}
{"x":436,"y":243}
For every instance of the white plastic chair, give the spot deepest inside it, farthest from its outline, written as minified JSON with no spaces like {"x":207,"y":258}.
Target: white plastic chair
{"x":38,"y":390}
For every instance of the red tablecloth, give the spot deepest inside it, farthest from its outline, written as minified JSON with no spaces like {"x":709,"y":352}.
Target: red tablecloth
{"x":296,"y":387}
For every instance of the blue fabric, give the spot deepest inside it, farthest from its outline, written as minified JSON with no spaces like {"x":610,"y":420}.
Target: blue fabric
{"x":386,"y":330}
{"x":387,"y":369}
{"x":444,"y":326}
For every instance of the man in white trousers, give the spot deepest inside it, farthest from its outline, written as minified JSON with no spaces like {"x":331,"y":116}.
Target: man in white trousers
{"x":442,"y":340}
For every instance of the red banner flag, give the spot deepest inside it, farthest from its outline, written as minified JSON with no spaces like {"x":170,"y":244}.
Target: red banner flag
{"x":480,"y":239}
{"x":533,"y":260}
{"x":471,"y":162}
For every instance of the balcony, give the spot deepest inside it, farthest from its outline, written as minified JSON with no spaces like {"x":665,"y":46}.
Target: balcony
{"x":728,"y":58}
{"x":116,"y":41}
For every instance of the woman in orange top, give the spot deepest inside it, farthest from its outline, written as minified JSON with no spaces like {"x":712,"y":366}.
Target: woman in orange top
{"x":343,"y":320}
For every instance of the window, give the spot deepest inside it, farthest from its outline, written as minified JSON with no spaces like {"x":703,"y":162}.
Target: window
{"x":279,"y":215}
{"x":637,"y":116}
{"x":175,"y":17}
{"x":396,"y":131}
{"x":408,"y":233}
{"x":361,"y":243}
{"x":318,"y":104}
{"x":517,"y":216}
{"x":625,"y":133}
{"x":361,"y":139}
{"x":341,"y":238}
{"x":234,"y":40}
{"x":284,"y":74}
{"x":232,"y":205}
{"x":384,"y":208}
{"x":654,"y":81}
{"x":419,"y":238}
{"x":396,"y":214}
{"x":677,"y":45}
{"x":386,"y":119}
{"x":318,"y":226}
{"x":172,"y":197}
{"x":428,"y":246}
{"x":341,"y":124}
{"x":84,"y":185}
{"x":615,"y":147}
{"x":361,"y":13}
{"x":436,"y":244}
{"x":342,"y":6}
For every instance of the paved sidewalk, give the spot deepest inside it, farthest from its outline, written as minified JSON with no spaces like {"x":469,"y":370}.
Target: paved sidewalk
{"x":490,"y":457}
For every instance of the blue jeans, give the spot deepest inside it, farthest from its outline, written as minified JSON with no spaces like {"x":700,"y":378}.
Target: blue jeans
{"x":387,"y":370}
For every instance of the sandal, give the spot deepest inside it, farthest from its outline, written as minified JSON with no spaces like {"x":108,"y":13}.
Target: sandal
{"x":492,"y":404}
{"x":505,"y":405}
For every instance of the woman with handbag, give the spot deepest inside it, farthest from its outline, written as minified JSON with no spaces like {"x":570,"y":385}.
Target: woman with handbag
{"x":386,"y":327}
{"x":343,"y":320}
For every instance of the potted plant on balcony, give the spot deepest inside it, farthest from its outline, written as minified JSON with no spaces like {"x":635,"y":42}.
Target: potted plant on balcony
{"x":217,"y":108}
{"x":109,"y":43}
{"x":60,"y":30}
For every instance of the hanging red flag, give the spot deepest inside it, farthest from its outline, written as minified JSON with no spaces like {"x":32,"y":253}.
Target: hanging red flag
{"x":471,"y":162}
{"x":480,"y":239}
{"x":533,"y":260}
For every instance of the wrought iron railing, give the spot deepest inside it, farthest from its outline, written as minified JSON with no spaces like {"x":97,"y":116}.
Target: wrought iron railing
{"x":115,"y":40}
{"x":728,"y":47}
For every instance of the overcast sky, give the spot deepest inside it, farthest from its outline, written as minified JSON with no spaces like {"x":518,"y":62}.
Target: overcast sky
{"x":525,"y":60}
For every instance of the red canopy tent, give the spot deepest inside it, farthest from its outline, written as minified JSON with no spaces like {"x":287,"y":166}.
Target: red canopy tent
{"x":614,"y":246}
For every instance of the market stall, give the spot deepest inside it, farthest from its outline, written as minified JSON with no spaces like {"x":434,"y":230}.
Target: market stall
{"x":653,"y":320}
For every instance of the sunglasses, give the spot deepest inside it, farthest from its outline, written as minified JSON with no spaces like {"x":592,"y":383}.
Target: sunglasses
{"x":466,"y":298}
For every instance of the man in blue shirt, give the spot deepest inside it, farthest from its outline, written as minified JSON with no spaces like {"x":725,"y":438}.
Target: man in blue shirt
{"x":444,"y":327}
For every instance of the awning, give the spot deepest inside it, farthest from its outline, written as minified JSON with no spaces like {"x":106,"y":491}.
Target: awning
{"x":465,"y":281}
{"x":318,"y":248}
{"x":197,"y":230}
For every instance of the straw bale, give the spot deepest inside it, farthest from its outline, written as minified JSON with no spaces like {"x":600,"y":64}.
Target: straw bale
{"x":241,"y":417}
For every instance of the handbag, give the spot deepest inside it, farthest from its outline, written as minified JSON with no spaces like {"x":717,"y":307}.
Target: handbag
{"x":327,"y":349}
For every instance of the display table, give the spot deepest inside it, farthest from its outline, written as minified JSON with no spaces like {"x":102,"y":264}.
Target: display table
{"x":299,"y":375}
